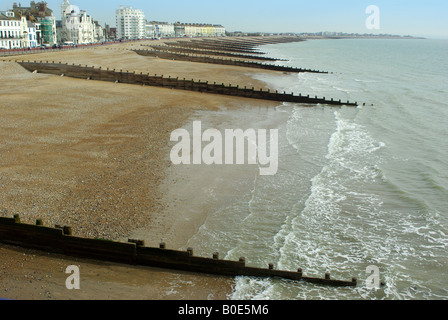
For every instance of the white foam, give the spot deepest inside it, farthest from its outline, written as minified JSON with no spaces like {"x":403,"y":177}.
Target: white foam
{"x":344,"y":222}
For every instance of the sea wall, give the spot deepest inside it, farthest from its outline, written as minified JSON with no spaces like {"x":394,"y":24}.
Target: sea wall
{"x":60,"y":240}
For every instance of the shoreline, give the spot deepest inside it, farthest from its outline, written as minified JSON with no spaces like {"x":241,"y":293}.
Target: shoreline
{"x":99,"y":170}
{"x":192,"y":193}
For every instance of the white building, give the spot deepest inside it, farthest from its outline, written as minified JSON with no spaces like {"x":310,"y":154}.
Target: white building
{"x":193,"y":30}
{"x":199,"y":30}
{"x":220,"y":31}
{"x":77,"y":26}
{"x":150,"y":31}
{"x":131,"y":23}
{"x":12,"y":31}
{"x":66,"y":7}
{"x":163,"y":29}
{"x":34,"y":35}
{"x":179,"y":29}
{"x":99,"y":35}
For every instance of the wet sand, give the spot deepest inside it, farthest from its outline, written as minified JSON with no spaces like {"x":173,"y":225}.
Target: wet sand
{"x":95,"y":156}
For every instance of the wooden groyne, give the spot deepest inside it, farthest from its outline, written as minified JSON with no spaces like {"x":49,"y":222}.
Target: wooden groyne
{"x":247,"y":42}
{"x":212,"y":47}
{"x":60,"y":240}
{"x":241,"y":45}
{"x":98,"y":73}
{"x":229,"y":62}
{"x":212,"y":53}
{"x":205,"y":46}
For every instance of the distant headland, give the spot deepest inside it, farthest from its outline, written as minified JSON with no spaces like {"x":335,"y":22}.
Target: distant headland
{"x":325,"y":35}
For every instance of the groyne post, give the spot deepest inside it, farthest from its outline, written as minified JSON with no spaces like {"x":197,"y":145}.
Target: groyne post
{"x":67,"y":230}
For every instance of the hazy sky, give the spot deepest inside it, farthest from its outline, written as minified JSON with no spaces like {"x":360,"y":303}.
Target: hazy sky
{"x":405,"y":17}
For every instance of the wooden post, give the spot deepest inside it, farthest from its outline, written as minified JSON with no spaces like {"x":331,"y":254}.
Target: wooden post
{"x":67,"y":230}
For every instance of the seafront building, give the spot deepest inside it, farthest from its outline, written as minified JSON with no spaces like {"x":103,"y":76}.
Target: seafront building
{"x":99,"y":33}
{"x":198,"y":30}
{"x":17,"y":32}
{"x":150,"y":30}
{"x":38,"y":13}
{"x":12,"y":34}
{"x":131,"y":23}
{"x":156,"y":29}
{"x":34,"y":26}
{"x":33,"y":34}
{"x":77,"y":27}
{"x":220,"y":31}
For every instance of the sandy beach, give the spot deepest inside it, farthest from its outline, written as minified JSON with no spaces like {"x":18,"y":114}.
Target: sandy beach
{"x":95,"y":156}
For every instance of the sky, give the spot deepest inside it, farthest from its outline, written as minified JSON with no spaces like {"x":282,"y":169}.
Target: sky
{"x":403,"y":17}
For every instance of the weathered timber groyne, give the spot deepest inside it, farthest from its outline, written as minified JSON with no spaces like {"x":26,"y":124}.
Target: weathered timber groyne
{"x":224,"y":47}
{"x":98,"y":73}
{"x":231,"y":62}
{"x":247,"y":43}
{"x":212,"y":53}
{"x":241,"y":45}
{"x":60,"y":240}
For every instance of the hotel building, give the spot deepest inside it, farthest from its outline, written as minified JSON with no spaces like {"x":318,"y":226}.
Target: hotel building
{"x":131,"y":23}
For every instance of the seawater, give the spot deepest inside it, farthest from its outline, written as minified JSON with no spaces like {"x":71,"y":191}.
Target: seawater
{"x":356,"y":187}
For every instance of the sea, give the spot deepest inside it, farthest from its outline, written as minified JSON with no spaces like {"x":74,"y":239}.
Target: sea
{"x":360,"y":192}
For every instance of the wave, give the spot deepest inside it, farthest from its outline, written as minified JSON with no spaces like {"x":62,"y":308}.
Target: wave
{"x":360,"y":208}
{"x":367,"y":81}
{"x":317,"y":235}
